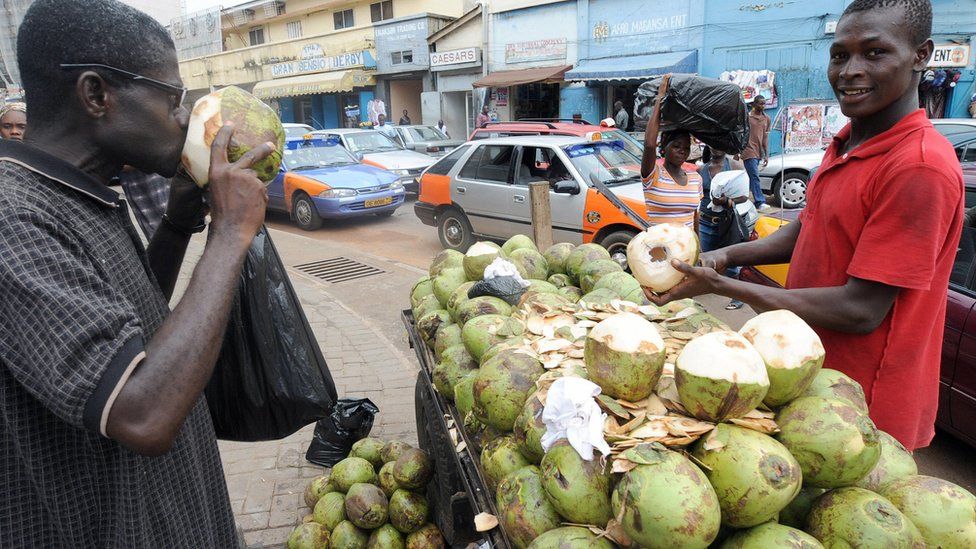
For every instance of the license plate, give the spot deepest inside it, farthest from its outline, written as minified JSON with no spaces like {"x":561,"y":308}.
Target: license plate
{"x":378,"y":202}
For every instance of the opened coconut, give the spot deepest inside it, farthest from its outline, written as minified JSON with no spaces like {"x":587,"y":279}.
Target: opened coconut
{"x":649,"y":255}
{"x":855,"y":517}
{"x":791,"y":350}
{"x":943,"y":512}
{"x":556,"y":257}
{"x":525,"y":512}
{"x":624,"y":355}
{"x":720,"y":376}
{"x":479,"y":256}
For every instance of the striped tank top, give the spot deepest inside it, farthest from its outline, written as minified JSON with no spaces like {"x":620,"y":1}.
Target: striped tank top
{"x":669,"y":202}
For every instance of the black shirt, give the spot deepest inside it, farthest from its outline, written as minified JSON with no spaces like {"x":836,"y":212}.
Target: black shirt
{"x":77,"y":304}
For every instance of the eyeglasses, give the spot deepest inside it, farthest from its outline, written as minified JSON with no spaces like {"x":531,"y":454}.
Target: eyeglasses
{"x":176,"y":92}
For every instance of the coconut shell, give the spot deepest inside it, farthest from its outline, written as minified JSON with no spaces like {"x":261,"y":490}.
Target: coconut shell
{"x":309,"y":535}
{"x":578,"y":489}
{"x":413,"y":469}
{"x":348,"y":536}
{"x":855,"y":517}
{"x":408,"y":511}
{"x":500,"y":457}
{"x":366,"y":506}
{"x":525,"y":511}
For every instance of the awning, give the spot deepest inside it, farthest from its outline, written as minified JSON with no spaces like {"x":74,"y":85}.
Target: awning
{"x":307,"y":84}
{"x":502,"y":79}
{"x":635,"y":66}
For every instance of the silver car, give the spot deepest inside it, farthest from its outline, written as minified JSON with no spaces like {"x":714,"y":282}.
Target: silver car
{"x":375,"y":148}
{"x":426,"y":139}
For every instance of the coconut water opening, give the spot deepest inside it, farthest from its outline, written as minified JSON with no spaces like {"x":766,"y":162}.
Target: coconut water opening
{"x":659,"y":253}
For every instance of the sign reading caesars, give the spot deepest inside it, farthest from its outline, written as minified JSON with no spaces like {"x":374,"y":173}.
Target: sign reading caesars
{"x":950,"y":55}
{"x":454,"y":57}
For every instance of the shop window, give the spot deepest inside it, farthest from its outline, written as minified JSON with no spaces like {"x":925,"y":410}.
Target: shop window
{"x":256,"y":36}
{"x":402,"y":57}
{"x":381,"y":11}
{"x":294,"y":29}
{"x":343,"y":19}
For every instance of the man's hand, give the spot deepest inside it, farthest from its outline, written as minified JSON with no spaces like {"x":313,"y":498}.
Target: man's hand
{"x":764,"y":163}
{"x":238,"y":199}
{"x":185,"y":206}
{"x":698,"y":281}
{"x":715,"y":259}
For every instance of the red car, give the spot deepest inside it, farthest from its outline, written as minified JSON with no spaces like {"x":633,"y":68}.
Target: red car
{"x":957,"y":387}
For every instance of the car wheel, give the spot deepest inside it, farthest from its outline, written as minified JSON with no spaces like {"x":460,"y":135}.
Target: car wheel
{"x":454,"y":230}
{"x":304,"y":213}
{"x":790,"y":190}
{"x":616,"y":243}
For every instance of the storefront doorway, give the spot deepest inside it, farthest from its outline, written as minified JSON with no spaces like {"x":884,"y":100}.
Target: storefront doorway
{"x":536,"y":100}
{"x":623,"y":92}
{"x":303,"y":111}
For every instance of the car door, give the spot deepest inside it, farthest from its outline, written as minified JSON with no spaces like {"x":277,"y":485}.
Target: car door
{"x":545,"y":164}
{"x":957,"y":390}
{"x":482,"y":188}
{"x":276,"y":189}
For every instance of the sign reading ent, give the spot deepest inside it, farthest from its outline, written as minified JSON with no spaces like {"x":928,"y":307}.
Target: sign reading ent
{"x":454,"y":57}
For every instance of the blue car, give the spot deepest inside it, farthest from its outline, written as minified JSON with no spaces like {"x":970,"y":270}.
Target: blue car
{"x":319,"y":180}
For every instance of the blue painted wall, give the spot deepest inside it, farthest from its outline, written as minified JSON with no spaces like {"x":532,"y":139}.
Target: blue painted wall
{"x":586,"y":101}
{"x":330,"y":108}
{"x":364,"y":98}
{"x":536,"y":23}
{"x":616,"y":28}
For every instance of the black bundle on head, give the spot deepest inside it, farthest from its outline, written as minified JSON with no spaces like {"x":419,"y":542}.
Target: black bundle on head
{"x":107,"y":32}
{"x":918,"y":14}
{"x":669,"y":136}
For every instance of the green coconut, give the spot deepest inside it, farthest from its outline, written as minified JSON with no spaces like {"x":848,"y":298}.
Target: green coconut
{"x":571,"y":293}
{"x":772,"y":535}
{"x":895,"y":463}
{"x":413,"y":469}
{"x":497,"y":348}
{"x":499,"y":457}
{"x":557,"y":255}
{"x":833,"y":384}
{"x":624,"y":355}
{"x":665,"y":501}
{"x":502,"y":386}
{"x":458,"y":296}
{"x":385,"y":537}
{"x":518,"y":242}
{"x":720,"y":376}
{"x":479,"y":256}
{"x":525,"y":511}
{"x":855,"y":517}
{"x":602,"y":296}
{"x":455,"y":363}
{"x":386,"y":481}
{"x":369,"y":449}
{"x":348,"y":536}
{"x":578,"y":489}
{"x":480,"y":306}
{"x":529,"y":428}
{"x":427,"y":304}
{"x":620,"y":283}
{"x":583,"y":255}
{"x":695,"y":322}
{"x":447,"y":259}
{"x":795,"y":513}
{"x":448,"y":336}
{"x":637,"y":296}
{"x":446,"y":282}
{"x":393,"y":450}
{"x":482,"y":332}
{"x":464,"y":393}
{"x":943,"y":512}
{"x":352,"y":470}
{"x":591,"y":273}
{"x":330,"y":510}
{"x":530,"y":263}
{"x":427,"y":537}
{"x":544,"y":301}
{"x":408,"y":511}
{"x":571,"y":537}
{"x":791,"y":350}
{"x":753,"y":475}
{"x":366,"y":505}
{"x":421,"y":288}
{"x":310,"y":535}
{"x":431,"y":323}
{"x":560,"y":280}
{"x":319,"y":486}
{"x":835,"y":444}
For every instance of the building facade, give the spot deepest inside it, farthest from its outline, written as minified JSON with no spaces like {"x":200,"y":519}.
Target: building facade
{"x":456,"y":53}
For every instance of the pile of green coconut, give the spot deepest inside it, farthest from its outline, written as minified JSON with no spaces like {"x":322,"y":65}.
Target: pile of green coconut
{"x":375,"y":498}
{"x":718,"y":438}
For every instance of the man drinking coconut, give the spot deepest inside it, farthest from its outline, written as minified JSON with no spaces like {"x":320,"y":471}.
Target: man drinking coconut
{"x":105,"y":439}
{"x":872,"y":251}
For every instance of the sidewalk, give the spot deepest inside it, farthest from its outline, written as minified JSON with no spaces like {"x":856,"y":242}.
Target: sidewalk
{"x":266,"y":480}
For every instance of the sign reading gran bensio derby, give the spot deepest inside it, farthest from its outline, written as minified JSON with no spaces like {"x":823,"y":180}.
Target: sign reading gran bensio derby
{"x":313,"y":59}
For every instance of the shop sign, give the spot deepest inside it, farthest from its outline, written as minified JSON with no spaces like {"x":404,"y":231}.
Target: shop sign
{"x":535,"y":50}
{"x":950,"y":55}
{"x":455,"y":57}
{"x":398,"y":29}
{"x":627,"y":27}
{"x":313,"y":59}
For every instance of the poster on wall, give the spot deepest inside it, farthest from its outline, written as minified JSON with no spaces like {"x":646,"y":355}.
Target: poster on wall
{"x":811,"y":126}
{"x":754,"y":83}
{"x":834,"y":121}
{"x":501,"y":97}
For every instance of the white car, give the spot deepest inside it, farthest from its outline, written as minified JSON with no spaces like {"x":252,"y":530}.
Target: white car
{"x":294,"y":131}
{"x":786,"y":176}
{"x":376,"y":149}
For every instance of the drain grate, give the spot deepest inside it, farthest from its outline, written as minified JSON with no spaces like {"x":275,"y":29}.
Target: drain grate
{"x":338,"y":269}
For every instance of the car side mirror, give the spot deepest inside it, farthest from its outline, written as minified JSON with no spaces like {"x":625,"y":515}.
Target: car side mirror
{"x":566,"y":186}
{"x":358,"y":155}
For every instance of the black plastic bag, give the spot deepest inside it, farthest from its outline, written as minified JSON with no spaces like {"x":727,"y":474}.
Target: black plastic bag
{"x":505,"y":288}
{"x":350,"y":420}
{"x":712,"y":110}
{"x":271,"y":378}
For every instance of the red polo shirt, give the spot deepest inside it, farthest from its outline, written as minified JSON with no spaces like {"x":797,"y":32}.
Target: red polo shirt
{"x":890,"y":211}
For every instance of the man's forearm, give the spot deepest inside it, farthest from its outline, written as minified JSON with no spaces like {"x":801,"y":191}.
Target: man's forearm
{"x":776,"y":248}
{"x":166,"y":251}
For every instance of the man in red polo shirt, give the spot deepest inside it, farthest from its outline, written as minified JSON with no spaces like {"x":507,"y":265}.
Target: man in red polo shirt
{"x":872,"y":252}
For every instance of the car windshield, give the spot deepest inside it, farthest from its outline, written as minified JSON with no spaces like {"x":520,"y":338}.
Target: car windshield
{"x":629,"y":142}
{"x":315,"y":153}
{"x":370,"y":142}
{"x":292,"y":132}
{"x":426,"y":133}
{"x":605,"y":161}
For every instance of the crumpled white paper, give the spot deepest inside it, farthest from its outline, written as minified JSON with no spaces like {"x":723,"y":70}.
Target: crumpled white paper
{"x":572,"y":413}
{"x":503,"y":267}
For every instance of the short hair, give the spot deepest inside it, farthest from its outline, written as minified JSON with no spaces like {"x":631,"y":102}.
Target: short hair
{"x":669,"y":136}
{"x":107,"y":32}
{"x":918,"y":14}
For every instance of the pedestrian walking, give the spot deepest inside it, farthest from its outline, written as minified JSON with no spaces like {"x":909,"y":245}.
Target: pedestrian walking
{"x":13,"y":121}
{"x":100,"y":383}
{"x":482,"y":118}
{"x":671,"y":194}
{"x":443,"y":128}
{"x":405,"y":119}
{"x":620,"y":116}
{"x":756,"y":153}
{"x":871,"y":285}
